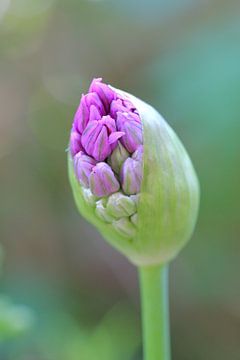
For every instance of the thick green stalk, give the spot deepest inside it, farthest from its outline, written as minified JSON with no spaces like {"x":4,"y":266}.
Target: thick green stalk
{"x":155,"y":313}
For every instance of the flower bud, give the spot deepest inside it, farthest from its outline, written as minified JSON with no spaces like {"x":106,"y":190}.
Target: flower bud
{"x":90,"y":108}
{"x":104,"y":92}
{"x":102,"y":180}
{"x":102,"y":212}
{"x":131,"y":176}
{"x":117,"y":157}
{"x":132,"y":179}
{"x":127,"y":123}
{"x":117,"y":106}
{"x":88,"y":197}
{"x":120,"y":205}
{"x":94,"y":113}
{"x":99,"y":138}
{"x":124,"y":227}
{"x":83,"y":165}
{"x":129,"y":105}
{"x":75,"y":142}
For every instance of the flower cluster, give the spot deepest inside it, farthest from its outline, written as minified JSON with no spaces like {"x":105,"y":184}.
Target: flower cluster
{"x":106,"y":145}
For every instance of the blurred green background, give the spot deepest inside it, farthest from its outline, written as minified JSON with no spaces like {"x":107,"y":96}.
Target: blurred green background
{"x":65,"y":294}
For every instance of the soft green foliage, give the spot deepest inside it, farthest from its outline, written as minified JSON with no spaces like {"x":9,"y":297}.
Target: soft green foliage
{"x":15,"y":320}
{"x":115,"y":336}
{"x":169,"y":196}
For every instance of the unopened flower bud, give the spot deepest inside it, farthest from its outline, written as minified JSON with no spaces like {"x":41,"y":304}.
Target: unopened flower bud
{"x":88,"y":197}
{"x":105,"y":93}
{"x":131,"y":176}
{"x":102,"y":212}
{"x":75,"y":142}
{"x":117,"y":106}
{"x":94,"y":113}
{"x":100,"y":137}
{"x":133,"y":180}
{"x":120,"y":205}
{"x":102,"y":180}
{"x":129,"y":105}
{"x":83,"y":165}
{"x":124,"y":227}
{"x":117,"y":157}
{"x":89,"y":103}
{"x":132,"y":129}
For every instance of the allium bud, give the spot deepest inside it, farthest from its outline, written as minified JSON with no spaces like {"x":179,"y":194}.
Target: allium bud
{"x":120,"y":205}
{"x":133,"y":178}
{"x":102,"y":212}
{"x":83,"y":165}
{"x":102,"y":180}
{"x":117,"y":157}
{"x":100,"y":137}
{"x":90,"y":108}
{"x":125,"y":227}
{"x":75,"y":142}
{"x":127,"y":123}
{"x":89,"y":198}
{"x":117,"y":106}
{"x":105,"y":93}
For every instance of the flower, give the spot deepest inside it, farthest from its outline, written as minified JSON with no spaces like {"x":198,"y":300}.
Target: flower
{"x":104,"y":92}
{"x":117,"y":157}
{"x":130,"y":125}
{"x":83,"y":166}
{"x":100,"y":137}
{"x":131,"y":173}
{"x":102,"y":180}
{"x":90,"y":108}
{"x":75,"y":142}
{"x":131,"y":176}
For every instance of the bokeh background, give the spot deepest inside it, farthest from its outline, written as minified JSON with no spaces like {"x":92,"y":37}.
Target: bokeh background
{"x":65,"y":294}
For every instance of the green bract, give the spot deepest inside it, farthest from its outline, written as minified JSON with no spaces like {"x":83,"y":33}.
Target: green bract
{"x":167,"y":205}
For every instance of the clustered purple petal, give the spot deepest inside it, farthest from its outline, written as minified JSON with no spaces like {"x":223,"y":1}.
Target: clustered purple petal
{"x":104,"y":121}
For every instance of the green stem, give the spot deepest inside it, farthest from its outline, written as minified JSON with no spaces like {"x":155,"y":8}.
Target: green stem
{"x":155,"y":315}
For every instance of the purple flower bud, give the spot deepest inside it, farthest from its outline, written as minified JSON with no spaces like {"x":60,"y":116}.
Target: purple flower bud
{"x":128,"y":123}
{"x":131,"y":176}
{"x":117,"y":106}
{"x":75,"y":142}
{"x":129,"y":105}
{"x":83,"y":165}
{"x":102,"y":180}
{"x":90,"y":107}
{"x":94,"y":113}
{"x":105,"y":93}
{"x":100,"y":138}
{"x":126,"y":102}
